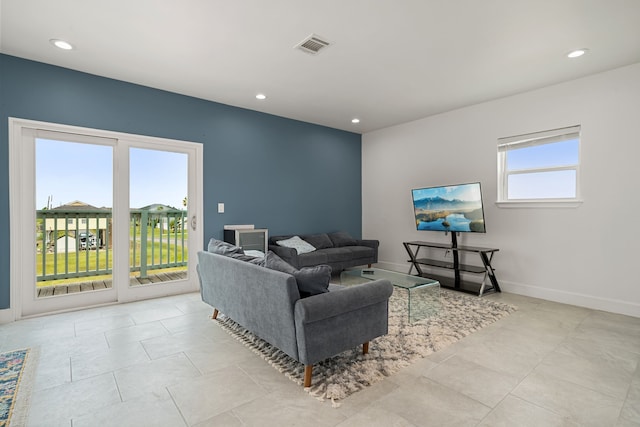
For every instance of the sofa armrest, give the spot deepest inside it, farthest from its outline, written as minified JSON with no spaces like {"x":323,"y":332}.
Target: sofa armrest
{"x":330,"y":323}
{"x":335,"y":303}
{"x":372,"y":244}
{"x":290,"y":255}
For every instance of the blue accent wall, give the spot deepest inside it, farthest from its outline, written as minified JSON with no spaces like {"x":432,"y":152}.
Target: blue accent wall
{"x":281,"y":174}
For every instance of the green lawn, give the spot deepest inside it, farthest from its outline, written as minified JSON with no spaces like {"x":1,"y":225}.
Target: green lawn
{"x":96,"y":260}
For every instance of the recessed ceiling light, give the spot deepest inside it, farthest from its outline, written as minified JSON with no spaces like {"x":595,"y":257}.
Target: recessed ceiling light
{"x":577,"y":53}
{"x":61,"y":44}
{"x":261,"y":96}
{"x":355,"y":121}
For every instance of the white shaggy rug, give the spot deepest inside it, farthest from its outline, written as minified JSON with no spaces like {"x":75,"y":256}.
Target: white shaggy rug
{"x":351,"y":371}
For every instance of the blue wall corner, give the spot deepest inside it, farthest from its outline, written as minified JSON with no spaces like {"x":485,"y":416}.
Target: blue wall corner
{"x":281,"y":174}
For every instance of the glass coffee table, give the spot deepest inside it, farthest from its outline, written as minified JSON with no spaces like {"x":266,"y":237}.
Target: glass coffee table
{"x":423,"y":294}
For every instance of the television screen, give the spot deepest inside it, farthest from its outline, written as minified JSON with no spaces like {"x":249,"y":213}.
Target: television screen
{"x":449,"y":208}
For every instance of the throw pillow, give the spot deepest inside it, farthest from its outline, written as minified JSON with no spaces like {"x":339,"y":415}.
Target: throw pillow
{"x":298,"y":244}
{"x":310,"y":280}
{"x":257,"y":261}
{"x":223,"y":248}
{"x":313,"y":280}
{"x":244,"y":257}
{"x":274,"y":262}
{"x":254,"y":253}
{"x":318,"y":241}
{"x":342,"y":238}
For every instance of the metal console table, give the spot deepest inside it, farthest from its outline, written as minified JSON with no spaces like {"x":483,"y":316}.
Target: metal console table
{"x":456,"y":283}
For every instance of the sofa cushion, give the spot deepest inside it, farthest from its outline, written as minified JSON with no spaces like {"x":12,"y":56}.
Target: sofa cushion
{"x":313,"y":258}
{"x":298,"y":244}
{"x":223,"y":248}
{"x":342,"y":238}
{"x":339,"y":254}
{"x":360,"y":251}
{"x":318,"y":241}
{"x":310,"y":280}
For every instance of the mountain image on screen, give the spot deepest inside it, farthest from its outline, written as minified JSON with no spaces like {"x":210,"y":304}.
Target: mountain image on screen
{"x":450,"y":208}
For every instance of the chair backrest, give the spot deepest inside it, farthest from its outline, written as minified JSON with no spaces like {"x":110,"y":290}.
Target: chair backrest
{"x":259,"y":299}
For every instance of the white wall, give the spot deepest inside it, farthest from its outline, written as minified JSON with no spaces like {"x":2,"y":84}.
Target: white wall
{"x":584,"y":256}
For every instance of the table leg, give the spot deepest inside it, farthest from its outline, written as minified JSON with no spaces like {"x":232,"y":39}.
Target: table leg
{"x":489,"y":271}
{"x":413,"y":259}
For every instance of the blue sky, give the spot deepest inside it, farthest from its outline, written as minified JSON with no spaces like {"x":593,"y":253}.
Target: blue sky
{"x":460,"y":192}
{"x":548,"y":184}
{"x":72,"y":171}
{"x":547,"y":155}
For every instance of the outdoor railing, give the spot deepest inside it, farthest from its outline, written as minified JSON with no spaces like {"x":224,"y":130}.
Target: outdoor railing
{"x":165,"y":248}
{"x":78,"y":243}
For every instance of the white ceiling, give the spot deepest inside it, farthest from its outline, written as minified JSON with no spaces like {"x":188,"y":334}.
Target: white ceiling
{"x":390,"y":61}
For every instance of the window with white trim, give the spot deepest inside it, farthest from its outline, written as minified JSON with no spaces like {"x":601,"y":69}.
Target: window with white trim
{"x":541,"y":167}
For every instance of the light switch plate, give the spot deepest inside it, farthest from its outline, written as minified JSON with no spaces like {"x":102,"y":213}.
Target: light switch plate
{"x":220,"y":207}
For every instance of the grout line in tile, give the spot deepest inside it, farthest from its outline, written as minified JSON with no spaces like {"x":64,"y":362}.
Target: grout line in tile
{"x":115,"y":380}
{"x":177,"y":407}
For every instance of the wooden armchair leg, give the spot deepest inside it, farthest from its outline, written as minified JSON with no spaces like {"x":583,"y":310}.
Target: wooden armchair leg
{"x":215,"y":314}
{"x":365,"y":348}
{"x":308,"y":372}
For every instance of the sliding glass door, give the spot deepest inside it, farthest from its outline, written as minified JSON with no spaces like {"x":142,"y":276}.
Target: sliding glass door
{"x":73,"y":253}
{"x":161,"y":235}
{"x":100,"y":217}
{"x":158,"y":228}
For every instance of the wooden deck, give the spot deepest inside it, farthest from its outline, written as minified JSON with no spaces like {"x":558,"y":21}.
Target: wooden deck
{"x":94,"y":285}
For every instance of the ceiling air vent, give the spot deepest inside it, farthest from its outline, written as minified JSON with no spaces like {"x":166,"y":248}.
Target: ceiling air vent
{"x":312,"y":44}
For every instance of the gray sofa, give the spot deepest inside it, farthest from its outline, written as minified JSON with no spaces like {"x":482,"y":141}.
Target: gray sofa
{"x":338,"y":250}
{"x":267,"y":302}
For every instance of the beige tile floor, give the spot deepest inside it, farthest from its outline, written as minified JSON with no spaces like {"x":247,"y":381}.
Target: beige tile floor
{"x":163,"y":362}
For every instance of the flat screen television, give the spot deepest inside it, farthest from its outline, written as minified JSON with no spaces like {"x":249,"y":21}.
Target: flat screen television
{"x":454,"y":208}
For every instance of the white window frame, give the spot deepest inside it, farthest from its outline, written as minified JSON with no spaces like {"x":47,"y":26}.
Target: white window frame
{"x":530,"y":140}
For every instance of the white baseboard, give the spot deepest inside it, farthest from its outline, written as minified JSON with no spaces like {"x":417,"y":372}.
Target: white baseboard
{"x":573,"y":298}
{"x":400,"y":268}
{"x":589,"y":301}
{"x":6,"y":316}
